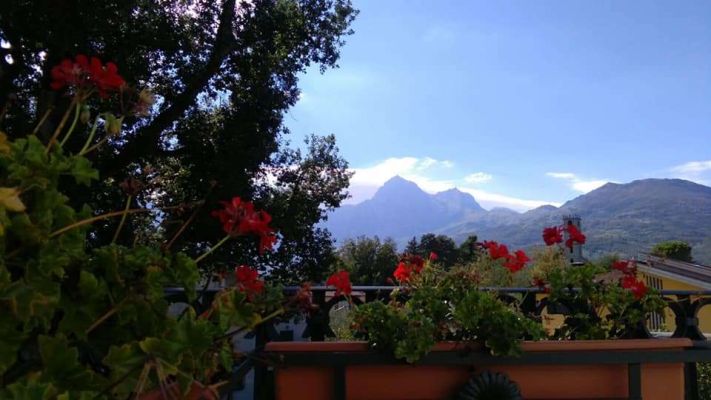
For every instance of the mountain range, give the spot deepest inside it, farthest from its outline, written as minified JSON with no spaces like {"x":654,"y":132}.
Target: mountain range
{"x":622,"y":218}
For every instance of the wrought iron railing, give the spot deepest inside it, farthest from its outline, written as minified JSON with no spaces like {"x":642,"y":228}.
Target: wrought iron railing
{"x":684,"y":304}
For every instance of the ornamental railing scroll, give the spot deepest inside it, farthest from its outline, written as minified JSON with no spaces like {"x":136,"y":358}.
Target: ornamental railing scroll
{"x":684,"y":304}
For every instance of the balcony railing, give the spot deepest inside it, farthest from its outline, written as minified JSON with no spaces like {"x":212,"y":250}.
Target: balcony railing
{"x":684,"y":304}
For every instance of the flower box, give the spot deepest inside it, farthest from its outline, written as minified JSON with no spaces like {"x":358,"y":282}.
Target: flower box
{"x":649,"y":369}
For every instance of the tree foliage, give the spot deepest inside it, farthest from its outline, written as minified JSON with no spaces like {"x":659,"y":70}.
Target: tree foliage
{"x":674,"y":249}
{"x":370,"y":260}
{"x":442,"y":245}
{"x":224,"y":73}
{"x":468,"y":249}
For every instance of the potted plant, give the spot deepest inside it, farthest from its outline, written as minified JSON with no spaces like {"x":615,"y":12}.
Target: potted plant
{"x":93,"y":323}
{"x":443,"y":333}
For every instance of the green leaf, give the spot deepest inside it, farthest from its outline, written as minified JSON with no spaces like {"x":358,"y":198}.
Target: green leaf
{"x":185,"y":272}
{"x":79,"y":395}
{"x":52,"y":261}
{"x":83,"y":172}
{"x":154,"y":282}
{"x":88,"y":284}
{"x":226,"y":357}
{"x":163,"y":348}
{"x":126,"y":362}
{"x":33,"y":303}
{"x":85,"y":307}
{"x":31,"y":390}
{"x":11,"y":338}
{"x":25,"y":231}
{"x":61,"y":365}
{"x":35,"y":151}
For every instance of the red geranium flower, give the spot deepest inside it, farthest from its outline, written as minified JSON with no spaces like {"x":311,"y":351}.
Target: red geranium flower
{"x":403,"y":272}
{"x":517,"y":261}
{"x":574,"y":236}
{"x":513,"y":262}
{"x":83,"y":72}
{"x":105,"y":77}
{"x":637,"y":287}
{"x":552,"y":235}
{"x":625,"y":266}
{"x":433,"y":256}
{"x":341,"y":281}
{"x":266,"y":242}
{"x":240,"y":218}
{"x":408,"y":265}
{"x":416,"y":262}
{"x":247,"y":280}
{"x":541,"y":284}
{"x":496,"y":250}
{"x":69,"y":73}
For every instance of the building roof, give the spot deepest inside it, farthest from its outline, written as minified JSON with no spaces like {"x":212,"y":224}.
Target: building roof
{"x":691,"y":273}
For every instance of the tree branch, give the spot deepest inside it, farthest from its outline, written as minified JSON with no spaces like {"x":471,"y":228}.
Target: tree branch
{"x":147,"y":139}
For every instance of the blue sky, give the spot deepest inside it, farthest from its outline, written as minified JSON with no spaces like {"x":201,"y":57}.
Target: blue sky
{"x":520,"y":103}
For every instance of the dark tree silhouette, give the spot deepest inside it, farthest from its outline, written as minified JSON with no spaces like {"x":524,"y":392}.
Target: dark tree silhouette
{"x":224,"y":73}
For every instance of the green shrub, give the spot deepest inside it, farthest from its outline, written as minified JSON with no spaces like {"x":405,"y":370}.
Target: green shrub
{"x":674,"y":249}
{"x":703,"y":371}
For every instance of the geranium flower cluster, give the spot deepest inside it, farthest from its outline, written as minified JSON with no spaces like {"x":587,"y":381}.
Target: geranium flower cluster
{"x":83,"y":72}
{"x":342,"y":282}
{"x":629,"y":279}
{"x":513,"y":262}
{"x":408,"y":266}
{"x":248,"y":282}
{"x":240,"y":218}
{"x":554,"y":234}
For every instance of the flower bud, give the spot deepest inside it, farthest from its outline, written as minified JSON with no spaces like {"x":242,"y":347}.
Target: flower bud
{"x":113,"y":125}
{"x":145,"y":96}
{"x":85,"y":114}
{"x":146,"y":99}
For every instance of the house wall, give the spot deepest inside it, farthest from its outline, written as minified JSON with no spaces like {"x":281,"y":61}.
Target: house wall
{"x":660,"y":323}
{"x":670,"y":284}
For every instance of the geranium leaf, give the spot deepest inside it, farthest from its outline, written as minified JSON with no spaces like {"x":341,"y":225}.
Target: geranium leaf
{"x":83,"y":172}
{"x":61,"y":364}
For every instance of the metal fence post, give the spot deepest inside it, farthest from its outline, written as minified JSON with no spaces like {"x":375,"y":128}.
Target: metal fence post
{"x":691,"y":386}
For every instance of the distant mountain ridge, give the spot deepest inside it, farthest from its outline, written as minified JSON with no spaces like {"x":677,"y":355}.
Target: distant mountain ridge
{"x":624,"y":218}
{"x":400,"y":209}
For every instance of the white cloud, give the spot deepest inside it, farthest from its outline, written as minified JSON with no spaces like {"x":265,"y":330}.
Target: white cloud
{"x":693,"y":167}
{"x":695,"y":171}
{"x":577,"y":184}
{"x":561,"y":175}
{"x":491,"y":200}
{"x":478,"y":177}
{"x":429,"y":162}
{"x":366,"y":181}
{"x":588,"y":186}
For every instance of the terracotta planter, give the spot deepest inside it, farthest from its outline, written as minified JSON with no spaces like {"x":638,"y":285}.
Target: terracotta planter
{"x":547,"y":370}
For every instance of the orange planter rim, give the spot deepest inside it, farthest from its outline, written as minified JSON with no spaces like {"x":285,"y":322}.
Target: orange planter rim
{"x":528,"y":346}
